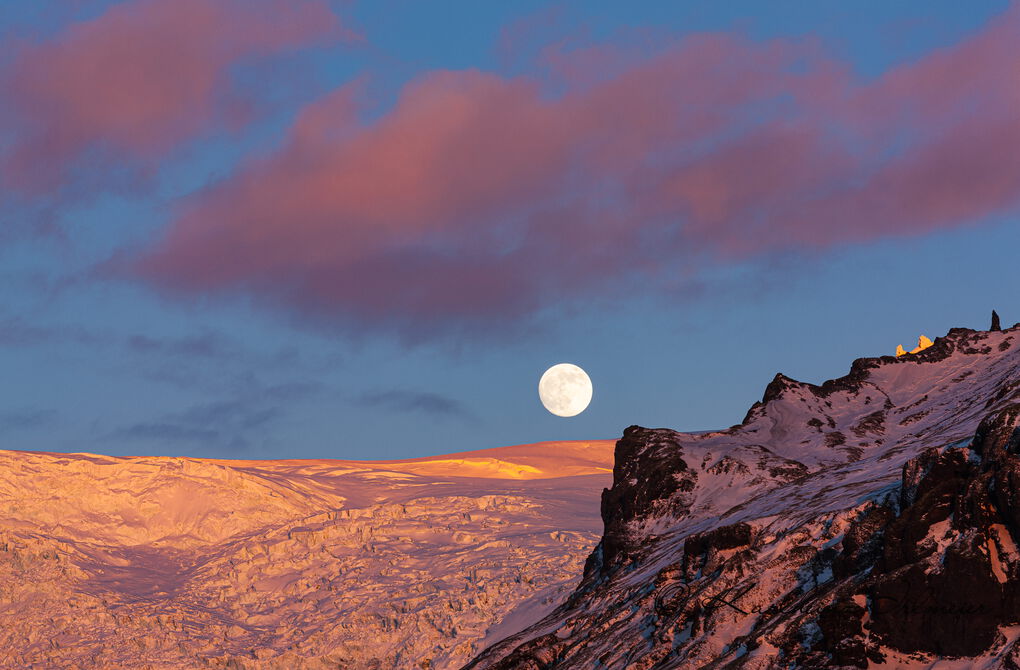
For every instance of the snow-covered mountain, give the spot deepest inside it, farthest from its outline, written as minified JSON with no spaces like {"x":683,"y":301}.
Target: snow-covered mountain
{"x":188,"y":563}
{"x":871,"y":521}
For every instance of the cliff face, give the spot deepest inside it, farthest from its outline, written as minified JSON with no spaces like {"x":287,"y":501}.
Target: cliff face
{"x":872,"y":519}
{"x":187,"y":563}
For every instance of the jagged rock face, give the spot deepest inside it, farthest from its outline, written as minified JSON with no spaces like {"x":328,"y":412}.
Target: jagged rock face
{"x":946,"y":578}
{"x":650,"y":480}
{"x":184,"y":563}
{"x":702,"y":550}
{"x":871,"y":519}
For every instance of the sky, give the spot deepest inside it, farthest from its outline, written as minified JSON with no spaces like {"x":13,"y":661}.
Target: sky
{"x":258,"y":229}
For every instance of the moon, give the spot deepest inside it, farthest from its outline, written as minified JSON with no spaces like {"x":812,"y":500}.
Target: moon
{"x":565,"y":389}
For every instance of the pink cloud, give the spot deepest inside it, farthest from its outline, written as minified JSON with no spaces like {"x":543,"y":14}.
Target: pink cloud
{"x":141,"y":78}
{"x":479,"y":199}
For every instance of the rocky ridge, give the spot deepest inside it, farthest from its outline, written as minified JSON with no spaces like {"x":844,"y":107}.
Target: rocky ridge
{"x":870,"y":521}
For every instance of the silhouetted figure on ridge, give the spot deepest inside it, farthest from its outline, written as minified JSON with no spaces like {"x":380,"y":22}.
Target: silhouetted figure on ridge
{"x":995,"y":321}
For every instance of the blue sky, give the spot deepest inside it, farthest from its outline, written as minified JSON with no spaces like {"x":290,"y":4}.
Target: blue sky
{"x":137,"y":317}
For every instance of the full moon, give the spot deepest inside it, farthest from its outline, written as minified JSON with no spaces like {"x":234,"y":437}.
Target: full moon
{"x":565,"y":389}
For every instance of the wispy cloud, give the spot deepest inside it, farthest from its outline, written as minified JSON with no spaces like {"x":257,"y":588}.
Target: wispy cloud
{"x":403,"y":400}
{"x":237,"y":423}
{"x":18,"y":332}
{"x":174,"y":432}
{"x":27,"y":419}
{"x":205,"y":345}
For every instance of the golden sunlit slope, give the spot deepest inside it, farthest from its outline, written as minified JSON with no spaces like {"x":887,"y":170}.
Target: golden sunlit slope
{"x":529,"y":461}
{"x":110,"y":562}
{"x":141,"y":499}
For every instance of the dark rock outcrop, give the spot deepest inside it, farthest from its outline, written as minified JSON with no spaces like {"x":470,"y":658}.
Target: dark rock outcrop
{"x":538,"y":654}
{"x":862,"y":542}
{"x":650,"y":478}
{"x":948,"y":575}
{"x":995,"y":322}
{"x":701,"y":550}
{"x":842,"y":634}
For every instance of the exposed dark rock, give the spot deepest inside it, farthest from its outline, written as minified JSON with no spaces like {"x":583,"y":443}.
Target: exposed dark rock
{"x":779,"y":384}
{"x":998,"y":434}
{"x":775,"y":389}
{"x":947,"y":590}
{"x":700,"y":550}
{"x":998,"y":441}
{"x":872,"y":423}
{"x":726,"y":465}
{"x":954,"y":612}
{"x":842,"y":635}
{"x":995,"y":322}
{"x":862,"y":542}
{"x":650,"y":478}
{"x":537,"y":654}
{"x":835,"y":439}
{"x":932,"y":473}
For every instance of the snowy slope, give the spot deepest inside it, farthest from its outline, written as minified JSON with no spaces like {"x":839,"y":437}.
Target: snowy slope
{"x":186,"y":563}
{"x":859,"y":523}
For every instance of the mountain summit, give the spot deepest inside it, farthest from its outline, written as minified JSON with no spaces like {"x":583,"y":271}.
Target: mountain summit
{"x":870,"y":520}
